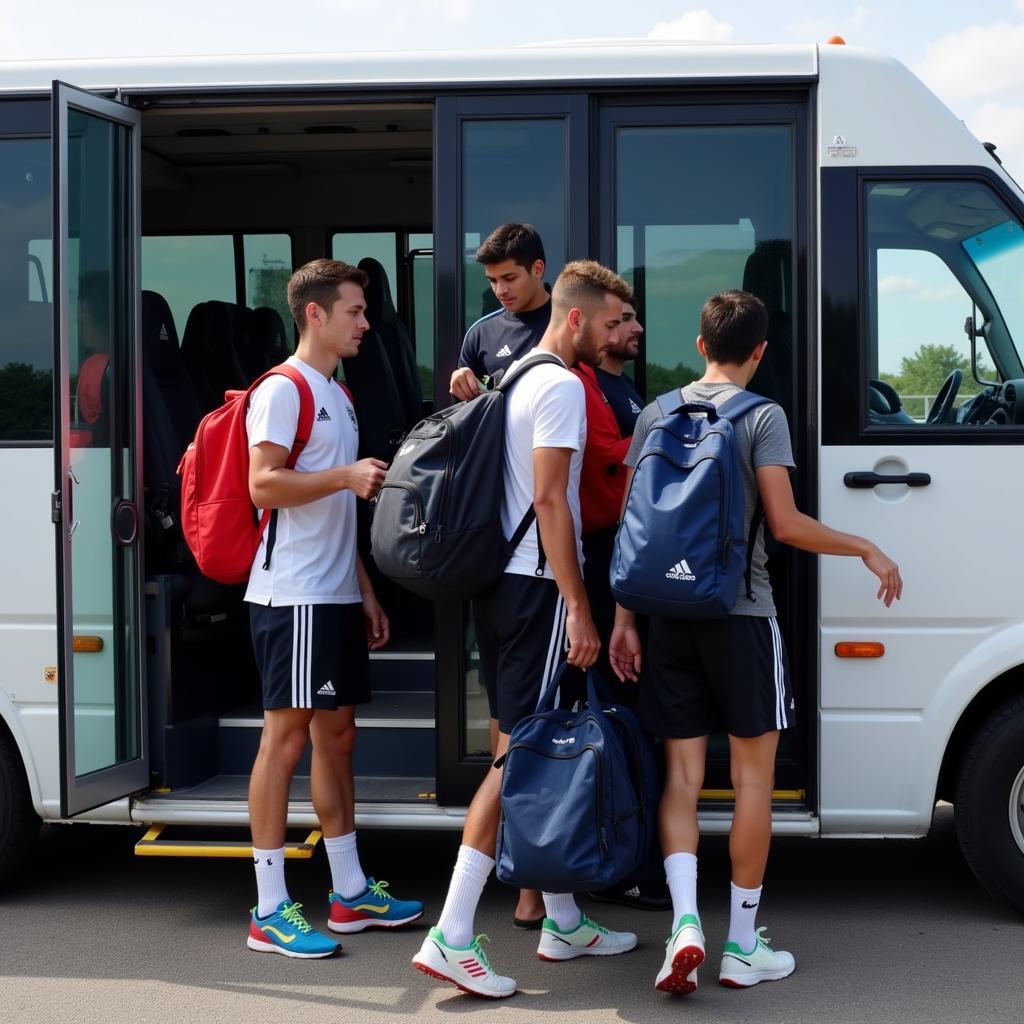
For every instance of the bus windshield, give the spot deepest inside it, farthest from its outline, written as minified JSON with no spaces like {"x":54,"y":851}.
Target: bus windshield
{"x":998,"y":253}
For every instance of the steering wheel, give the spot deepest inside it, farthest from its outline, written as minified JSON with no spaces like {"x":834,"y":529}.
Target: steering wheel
{"x":942,"y":408}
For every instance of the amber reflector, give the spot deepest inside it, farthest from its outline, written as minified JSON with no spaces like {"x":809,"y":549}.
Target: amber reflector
{"x":87,"y":644}
{"x":860,"y":649}
{"x":836,"y":41}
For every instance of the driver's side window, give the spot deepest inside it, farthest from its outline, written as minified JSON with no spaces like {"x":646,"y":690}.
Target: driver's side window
{"x":918,"y":309}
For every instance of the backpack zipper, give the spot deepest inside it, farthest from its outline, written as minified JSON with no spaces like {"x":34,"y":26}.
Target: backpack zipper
{"x":420,"y":524}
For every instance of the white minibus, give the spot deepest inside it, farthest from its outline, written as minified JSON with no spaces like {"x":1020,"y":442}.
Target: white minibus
{"x":150,"y":214}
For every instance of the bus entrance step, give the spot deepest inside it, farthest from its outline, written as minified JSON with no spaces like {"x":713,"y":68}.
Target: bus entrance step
{"x":152,"y":844}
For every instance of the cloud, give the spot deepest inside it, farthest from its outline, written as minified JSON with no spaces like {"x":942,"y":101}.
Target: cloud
{"x":897,"y":283}
{"x":1003,"y":124}
{"x":979,"y":62}
{"x":694,"y":26}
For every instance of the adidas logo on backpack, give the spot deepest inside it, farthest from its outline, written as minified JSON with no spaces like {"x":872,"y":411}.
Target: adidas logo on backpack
{"x":680,"y":571}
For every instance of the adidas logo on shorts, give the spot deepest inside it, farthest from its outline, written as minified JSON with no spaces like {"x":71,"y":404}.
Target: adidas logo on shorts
{"x":680,"y":571}
{"x":327,"y":690}
{"x":323,"y":415}
{"x":504,"y":352}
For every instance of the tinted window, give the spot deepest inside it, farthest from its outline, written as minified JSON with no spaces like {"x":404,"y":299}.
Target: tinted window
{"x":26,"y":294}
{"x":700,"y":210}
{"x":268,"y":265}
{"x":189,"y":269}
{"x":513,"y":171}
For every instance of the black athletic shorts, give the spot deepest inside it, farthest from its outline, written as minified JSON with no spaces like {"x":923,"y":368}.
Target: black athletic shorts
{"x":520,"y":631}
{"x":702,"y":677}
{"x":311,"y":655}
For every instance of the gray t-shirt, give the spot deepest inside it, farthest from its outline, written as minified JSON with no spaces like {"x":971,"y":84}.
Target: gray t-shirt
{"x":762,"y":437}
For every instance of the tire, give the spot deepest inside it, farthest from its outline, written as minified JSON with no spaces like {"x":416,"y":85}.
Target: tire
{"x":19,"y":824}
{"x":989,"y":803}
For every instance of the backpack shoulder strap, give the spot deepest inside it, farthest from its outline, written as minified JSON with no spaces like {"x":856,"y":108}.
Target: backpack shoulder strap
{"x":671,"y":402}
{"x":739,"y":405}
{"x":527,"y":364}
{"x":306,"y":411}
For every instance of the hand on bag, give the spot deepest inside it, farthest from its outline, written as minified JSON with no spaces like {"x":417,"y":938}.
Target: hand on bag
{"x":464,"y":384}
{"x":624,"y":652}
{"x":584,"y":644}
{"x":365,"y":477}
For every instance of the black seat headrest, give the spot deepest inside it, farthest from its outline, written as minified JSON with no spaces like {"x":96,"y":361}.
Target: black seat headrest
{"x":380,"y":307}
{"x":159,"y":335}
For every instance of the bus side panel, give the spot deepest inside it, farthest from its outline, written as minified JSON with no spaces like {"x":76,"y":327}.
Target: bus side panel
{"x":28,"y":630}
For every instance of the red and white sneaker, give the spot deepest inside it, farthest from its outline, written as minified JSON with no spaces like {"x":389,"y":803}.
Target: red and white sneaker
{"x":465,"y":967}
{"x":684,"y":953}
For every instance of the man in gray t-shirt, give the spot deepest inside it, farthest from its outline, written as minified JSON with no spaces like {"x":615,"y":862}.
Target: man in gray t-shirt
{"x":762,"y":439}
{"x":700,"y":676}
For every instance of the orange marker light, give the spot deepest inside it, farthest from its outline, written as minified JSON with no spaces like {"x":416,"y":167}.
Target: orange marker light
{"x":859,"y":649}
{"x":87,"y":644}
{"x":836,"y":41}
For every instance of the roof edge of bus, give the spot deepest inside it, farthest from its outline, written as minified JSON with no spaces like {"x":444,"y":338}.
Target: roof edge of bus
{"x":577,"y":60}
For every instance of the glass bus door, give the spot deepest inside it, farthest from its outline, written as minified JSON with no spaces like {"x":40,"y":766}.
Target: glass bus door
{"x":98,"y":444}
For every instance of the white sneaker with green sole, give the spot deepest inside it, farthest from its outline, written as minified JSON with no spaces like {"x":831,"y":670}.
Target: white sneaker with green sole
{"x":588,"y":938}
{"x":741,"y":969}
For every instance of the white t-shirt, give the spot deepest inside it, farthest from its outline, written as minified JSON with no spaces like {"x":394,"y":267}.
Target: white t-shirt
{"x":544,"y":409}
{"x":314,"y":556}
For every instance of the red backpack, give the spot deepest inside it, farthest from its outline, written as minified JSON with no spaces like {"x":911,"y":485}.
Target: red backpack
{"x":218,"y":517}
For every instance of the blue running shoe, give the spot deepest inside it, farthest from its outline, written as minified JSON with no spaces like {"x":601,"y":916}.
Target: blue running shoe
{"x":287,"y":931}
{"x":374,"y":908}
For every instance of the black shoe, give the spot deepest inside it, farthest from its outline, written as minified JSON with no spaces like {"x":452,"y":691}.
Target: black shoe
{"x":528,"y":924}
{"x":639,"y":895}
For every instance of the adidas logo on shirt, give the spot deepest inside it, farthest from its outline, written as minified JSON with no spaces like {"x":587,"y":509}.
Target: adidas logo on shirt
{"x":327,"y":690}
{"x":504,"y":352}
{"x":163,"y":332}
{"x":680,"y":571}
{"x":634,"y":407}
{"x":323,"y":415}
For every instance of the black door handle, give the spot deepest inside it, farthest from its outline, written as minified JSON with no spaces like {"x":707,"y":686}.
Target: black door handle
{"x":867,"y":480}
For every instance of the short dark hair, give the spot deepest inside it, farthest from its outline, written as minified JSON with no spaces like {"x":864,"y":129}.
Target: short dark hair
{"x":733,"y":324}
{"x":585,"y":283}
{"x":519,"y":242}
{"x":318,"y":281}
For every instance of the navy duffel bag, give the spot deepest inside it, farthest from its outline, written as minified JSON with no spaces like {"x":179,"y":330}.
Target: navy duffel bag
{"x":572,"y":818}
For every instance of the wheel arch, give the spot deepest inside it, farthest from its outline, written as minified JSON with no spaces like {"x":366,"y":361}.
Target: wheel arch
{"x":10,"y":729}
{"x":984,"y":703}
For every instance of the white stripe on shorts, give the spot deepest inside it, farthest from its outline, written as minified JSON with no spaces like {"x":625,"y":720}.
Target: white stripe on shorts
{"x":302,"y":652}
{"x":554,"y":647}
{"x":780,"y":677}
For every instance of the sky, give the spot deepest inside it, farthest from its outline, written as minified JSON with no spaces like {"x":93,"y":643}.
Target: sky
{"x":970,"y":54}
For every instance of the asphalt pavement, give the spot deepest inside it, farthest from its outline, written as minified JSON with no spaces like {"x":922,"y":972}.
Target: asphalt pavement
{"x":882,"y":930}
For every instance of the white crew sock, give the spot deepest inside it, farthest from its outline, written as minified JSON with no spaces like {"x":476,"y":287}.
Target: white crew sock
{"x":681,"y":876}
{"x":562,"y":909}
{"x":270,"y":885}
{"x":468,"y":879}
{"x":742,"y":916}
{"x":347,"y":876}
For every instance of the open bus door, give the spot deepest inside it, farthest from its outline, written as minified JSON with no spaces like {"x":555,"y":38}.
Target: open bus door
{"x":98,"y":449}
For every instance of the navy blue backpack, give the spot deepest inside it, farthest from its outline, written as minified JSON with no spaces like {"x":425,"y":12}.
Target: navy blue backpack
{"x":574,"y":814}
{"x":683,"y":547}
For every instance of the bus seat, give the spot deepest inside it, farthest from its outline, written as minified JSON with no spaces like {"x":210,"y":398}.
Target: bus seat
{"x":162,"y":354}
{"x":398,"y":345}
{"x":768,"y":274}
{"x":266,"y":341}
{"x":209,"y":351}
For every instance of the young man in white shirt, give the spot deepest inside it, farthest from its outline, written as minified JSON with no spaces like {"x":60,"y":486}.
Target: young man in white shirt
{"x":314,"y":616}
{"x":539,"y":604}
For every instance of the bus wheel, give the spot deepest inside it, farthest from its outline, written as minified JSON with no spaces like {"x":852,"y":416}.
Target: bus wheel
{"x":989,"y":807}
{"x":19,"y":824}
